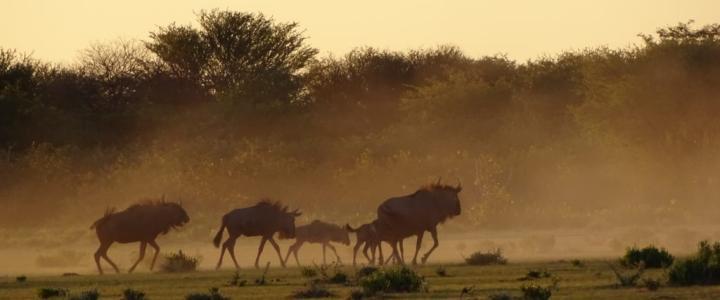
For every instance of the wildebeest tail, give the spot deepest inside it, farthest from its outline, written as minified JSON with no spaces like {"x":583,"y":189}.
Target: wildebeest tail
{"x":218,"y":236}
{"x":99,"y":222}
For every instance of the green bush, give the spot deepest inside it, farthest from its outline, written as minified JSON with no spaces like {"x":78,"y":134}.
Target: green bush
{"x":130,"y":294}
{"x":630,"y":279}
{"x":179,"y":262}
{"x":702,"y":268}
{"x":313,"y":291}
{"x":86,"y":295}
{"x":652,"y":284}
{"x":651,"y":256}
{"x":395,"y":280}
{"x":441,"y":271}
{"x":486,"y":258}
{"x":537,"y":292}
{"x":577,"y":263}
{"x":214,"y":294}
{"x":365,"y":271}
{"x":536,"y":274}
{"x":45,"y":293}
{"x":308,"y":272}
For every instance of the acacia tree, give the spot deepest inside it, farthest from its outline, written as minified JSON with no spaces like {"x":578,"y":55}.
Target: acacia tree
{"x":242,"y":58}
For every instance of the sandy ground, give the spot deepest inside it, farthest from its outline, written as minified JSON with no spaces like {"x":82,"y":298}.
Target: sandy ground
{"x":516,"y":246}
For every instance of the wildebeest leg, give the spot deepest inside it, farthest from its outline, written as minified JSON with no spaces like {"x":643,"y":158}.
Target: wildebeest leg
{"x":100,"y":252}
{"x":231,"y":249}
{"x":277,"y":249}
{"x":293,"y":249}
{"x":402,"y":252}
{"x":433,"y":232}
{"x":365,"y":253}
{"x":395,"y":254}
{"x":222,"y":253}
{"x":378,"y":244}
{"x":103,"y":254}
{"x":373,"y":248}
{"x":355,"y":250}
{"x":337,"y":257}
{"x":143,"y":245}
{"x":260,"y":250}
{"x":418,"y":244}
{"x":295,"y":253}
{"x":157,"y":251}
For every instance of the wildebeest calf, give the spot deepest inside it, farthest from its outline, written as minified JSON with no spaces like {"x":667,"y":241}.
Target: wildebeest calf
{"x":318,"y":232}
{"x":366,"y":235}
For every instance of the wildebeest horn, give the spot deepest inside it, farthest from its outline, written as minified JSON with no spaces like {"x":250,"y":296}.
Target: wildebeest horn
{"x":438,"y":181}
{"x":459,"y":186}
{"x":296,"y":213}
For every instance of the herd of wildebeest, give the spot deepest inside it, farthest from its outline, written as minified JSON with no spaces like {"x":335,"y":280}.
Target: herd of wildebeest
{"x":397,"y":218}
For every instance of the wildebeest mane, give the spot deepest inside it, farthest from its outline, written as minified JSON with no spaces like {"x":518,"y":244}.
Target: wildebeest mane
{"x":432,"y":187}
{"x":272,"y":205}
{"x":108,"y":212}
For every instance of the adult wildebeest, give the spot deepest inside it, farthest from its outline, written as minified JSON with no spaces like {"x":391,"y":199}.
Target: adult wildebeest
{"x":318,"y":232}
{"x":263,"y":219}
{"x":401,"y":217}
{"x":142,"y":223}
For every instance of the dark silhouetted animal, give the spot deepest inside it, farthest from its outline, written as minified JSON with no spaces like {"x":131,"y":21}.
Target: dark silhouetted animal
{"x":142,"y":223}
{"x":263,"y":219}
{"x":318,"y":232}
{"x":365,"y":235}
{"x":401,"y":217}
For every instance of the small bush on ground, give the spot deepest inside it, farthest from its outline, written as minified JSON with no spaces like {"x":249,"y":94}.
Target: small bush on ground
{"x":130,"y":294}
{"x":536,"y":274}
{"x":313,"y":291}
{"x":86,"y":295}
{"x":365,"y":271}
{"x":702,"y":268}
{"x":236,"y":281}
{"x":629,"y":279}
{"x":22,"y":278}
{"x":577,"y":263}
{"x":486,"y":258}
{"x":441,"y":271}
{"x":337,"y":275}
{"x":45,"y":293}
{"x":179,"y":262}
{"x":651,"y":284}
{"x":214,"y":294}
{"x":395,"y":280}
{"x":308,"y":272}
{"x":501,"y":296}
{"x":651,"y":256}
{"x":537,"y":292}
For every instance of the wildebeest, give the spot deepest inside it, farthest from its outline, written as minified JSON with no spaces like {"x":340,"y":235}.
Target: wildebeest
{"x":318,"y":232}
{"x":365,"y":235}
{"x":401,"y":217}
{"x":263,"y":219}
{"x":141,"y":222}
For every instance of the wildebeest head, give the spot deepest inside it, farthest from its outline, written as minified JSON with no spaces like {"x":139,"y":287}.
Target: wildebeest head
{"x":175,"y":214}
{"x":449,"y":199}
{"x":287,"y":224}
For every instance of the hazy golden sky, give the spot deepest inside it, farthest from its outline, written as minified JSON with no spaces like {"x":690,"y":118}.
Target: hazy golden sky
{"x":57,"y":30}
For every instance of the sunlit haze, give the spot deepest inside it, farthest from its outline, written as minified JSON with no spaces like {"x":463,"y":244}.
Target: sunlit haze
{"x":57,"y":30}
